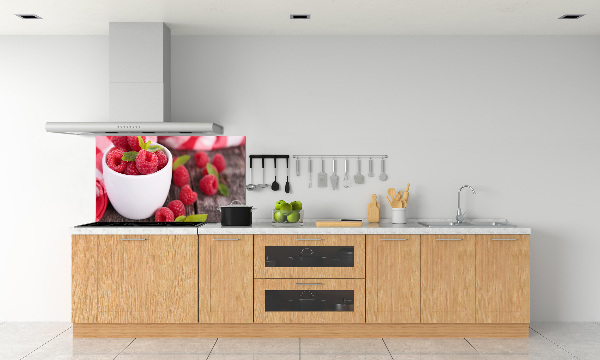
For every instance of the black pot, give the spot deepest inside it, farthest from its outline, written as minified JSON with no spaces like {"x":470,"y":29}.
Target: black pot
{"x":236,"y":214}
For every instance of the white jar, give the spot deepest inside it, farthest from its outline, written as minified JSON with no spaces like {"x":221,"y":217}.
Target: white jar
{"x":398,"y":215}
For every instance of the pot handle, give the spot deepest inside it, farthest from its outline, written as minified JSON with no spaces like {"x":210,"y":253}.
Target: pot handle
{"x":234,"y":201}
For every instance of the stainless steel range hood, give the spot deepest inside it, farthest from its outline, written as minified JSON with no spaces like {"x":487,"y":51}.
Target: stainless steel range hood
{"x":116,"y":128}
{"x":139,"y":86}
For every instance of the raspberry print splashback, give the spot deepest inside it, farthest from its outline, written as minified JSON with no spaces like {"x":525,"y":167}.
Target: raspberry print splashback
{"x":168,"y":178}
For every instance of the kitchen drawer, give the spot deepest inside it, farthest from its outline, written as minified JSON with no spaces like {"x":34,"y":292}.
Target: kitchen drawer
{"x":309,"y":300}
{"x":309,"y":256}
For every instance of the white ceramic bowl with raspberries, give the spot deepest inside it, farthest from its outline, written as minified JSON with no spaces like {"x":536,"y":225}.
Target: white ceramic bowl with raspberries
{"x":137,"y":197}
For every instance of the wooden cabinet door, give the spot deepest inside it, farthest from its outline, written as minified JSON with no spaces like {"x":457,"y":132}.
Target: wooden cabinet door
{"x":502,"y":269}
{"x":148,"y":279}
{"x":84,"y":283}
{"x":448,"y":278}
{"x":225,"y":280}
{"x":393,"y":279}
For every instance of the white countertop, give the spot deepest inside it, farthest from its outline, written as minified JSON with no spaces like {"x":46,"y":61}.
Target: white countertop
{"x":263,"y":226}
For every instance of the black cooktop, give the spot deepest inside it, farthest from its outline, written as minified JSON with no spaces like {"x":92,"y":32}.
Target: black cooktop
{"x":142,"y":224}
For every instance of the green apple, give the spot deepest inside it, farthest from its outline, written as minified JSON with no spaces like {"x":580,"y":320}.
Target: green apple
{"x":296,"y":205}
{"x":286,"y":208}
{"x":293,"y":217}
{"x":278,"y":204}
{"x":279,"y":216}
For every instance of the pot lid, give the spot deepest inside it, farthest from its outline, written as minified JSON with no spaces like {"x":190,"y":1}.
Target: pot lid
{"x":234,"y":205}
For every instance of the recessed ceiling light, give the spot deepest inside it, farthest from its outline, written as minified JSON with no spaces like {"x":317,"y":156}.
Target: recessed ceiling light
{"x":28,"y":16}
{"x":300,"y":16}
{"x":571,"y":16}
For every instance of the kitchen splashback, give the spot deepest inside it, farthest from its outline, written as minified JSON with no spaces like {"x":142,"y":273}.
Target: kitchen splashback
{"x":135,"y":179}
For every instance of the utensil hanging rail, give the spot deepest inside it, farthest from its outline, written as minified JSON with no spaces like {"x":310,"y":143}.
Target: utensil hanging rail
{"x":340,"y":156}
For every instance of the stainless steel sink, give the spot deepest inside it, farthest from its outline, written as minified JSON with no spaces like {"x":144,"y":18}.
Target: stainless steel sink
{"x":465,"y":224}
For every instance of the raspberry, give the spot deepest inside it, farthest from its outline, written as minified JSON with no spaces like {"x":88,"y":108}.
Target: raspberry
{"x":146,"y":162}
{"x":162,"y":159}
{"x":205,"y":172}
{"x":209,"y":185}
{"x":181,"y":176}
{"x":120,"y":142}
{"x":164,"y":214}
{"x":131,"y":169}
{"x":134,"y":142}
{"x":187,"y":195}
{"x":114,"y":160}
{"x":177,"y":208}
{"x":219,"y":163}
{"x":201,"y":159}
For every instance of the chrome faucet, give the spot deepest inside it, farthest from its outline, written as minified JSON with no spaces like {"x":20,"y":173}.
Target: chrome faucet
{"x":460,"y":215}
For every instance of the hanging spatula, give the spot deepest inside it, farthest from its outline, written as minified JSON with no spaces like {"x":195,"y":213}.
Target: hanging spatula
{"x":359,"y":178}
{"x":322,"y":177}
{"x":334,"y":178}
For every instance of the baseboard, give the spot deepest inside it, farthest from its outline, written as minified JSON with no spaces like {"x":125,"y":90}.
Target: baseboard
{"x":299,"y":330}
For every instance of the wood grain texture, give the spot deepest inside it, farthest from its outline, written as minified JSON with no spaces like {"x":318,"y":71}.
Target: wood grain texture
{"x":225,"y":279}
{"x":447,"y":279}
{"x":234,"y":177}
{"x":84,"y":283}
{"x":263,"y":272}
{"x":300,"y":330}
{"x":150,"y":281}
{"x":356,"y":316}
{"x":393,"y":279}
{"x":502,"y":268}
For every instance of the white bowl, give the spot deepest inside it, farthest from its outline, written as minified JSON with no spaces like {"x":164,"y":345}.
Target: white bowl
{"x":137,"y":197}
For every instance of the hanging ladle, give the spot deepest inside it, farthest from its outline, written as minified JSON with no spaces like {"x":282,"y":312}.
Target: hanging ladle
{"x":251,"y":186}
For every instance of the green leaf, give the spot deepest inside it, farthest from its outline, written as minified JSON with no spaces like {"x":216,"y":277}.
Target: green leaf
{"x":196,"y":218}
{"x":223,"y":190}
{"x":154,"y":148}
{"x":141,"y":142}
{"x":211,"y":170}
{"x":129,"y":156}
{"x":180,"y":161}
{"x":147,"y":145}
{"x":180,"y":218}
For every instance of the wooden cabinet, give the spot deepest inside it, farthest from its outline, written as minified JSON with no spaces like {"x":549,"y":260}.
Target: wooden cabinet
{"x":290,"y":308}
{"x":84,"y":284}
{"x":309,"y":256}
{"x":448,"y":278}
{"x":147,"y":278}
{"x":225,"y":281}
{"x":393,"y":279}
{"x":502,"y":269}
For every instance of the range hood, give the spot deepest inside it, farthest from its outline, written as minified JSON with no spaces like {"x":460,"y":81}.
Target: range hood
{"x":139,"y":86}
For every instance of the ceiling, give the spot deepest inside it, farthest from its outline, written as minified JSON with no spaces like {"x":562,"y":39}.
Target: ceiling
{"x":328,"y":17}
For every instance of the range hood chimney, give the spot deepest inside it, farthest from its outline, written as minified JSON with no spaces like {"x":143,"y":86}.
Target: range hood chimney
{"x":139,"y":85}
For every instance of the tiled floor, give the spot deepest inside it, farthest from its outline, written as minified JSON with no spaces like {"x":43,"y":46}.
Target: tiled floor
{"x":547,"y":341}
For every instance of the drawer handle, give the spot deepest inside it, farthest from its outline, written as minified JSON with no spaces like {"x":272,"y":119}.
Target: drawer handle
{"x":309,"y":239}
{"x":133,"y":239}
{"x":309,"y":284}
{"x":504,"y":239}
{"x":226,"y":239}
{"x":449,"y":239}
{"x":393,"y":239}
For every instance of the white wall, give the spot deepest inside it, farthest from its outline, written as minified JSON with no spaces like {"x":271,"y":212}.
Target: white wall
{"x":516,"y":117}
{"x":47,"y":182}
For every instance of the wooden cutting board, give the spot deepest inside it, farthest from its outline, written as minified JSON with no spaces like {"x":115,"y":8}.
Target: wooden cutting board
{"x":334,"y":223}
